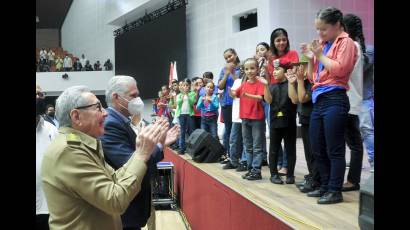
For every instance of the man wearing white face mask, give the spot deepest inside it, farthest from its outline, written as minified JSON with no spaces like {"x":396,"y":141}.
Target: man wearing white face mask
{"x":119,"y":140}
{"x":137,"y":122}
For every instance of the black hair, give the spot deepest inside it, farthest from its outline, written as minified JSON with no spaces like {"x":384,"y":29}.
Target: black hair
{"x":353,"y":26}
{"x":174,"y":81}
{"x":276,"y":33}
{"x":263,"y":44}
{"x":209,"y":75}
{"x":330,"y":15}
{"x":187,"y":80}
{"x":49,"y":105}
{"x":234,"y":52}
{"x":195,"y":78}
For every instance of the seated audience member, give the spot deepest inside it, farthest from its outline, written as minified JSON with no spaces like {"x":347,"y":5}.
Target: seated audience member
{"x":67,"y":63}
{"x":82,"y":190}
{"x":88,"y":66}
{"x":97,"y":66}
{"x":59,"y":64}
{"x":83,"y":60}
{"x":77,"y":65}
{"x":108,"y":65}
{"x":51,"y":56}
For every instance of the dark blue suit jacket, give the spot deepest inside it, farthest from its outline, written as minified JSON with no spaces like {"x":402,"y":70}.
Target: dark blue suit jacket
{"x":118,"y":143}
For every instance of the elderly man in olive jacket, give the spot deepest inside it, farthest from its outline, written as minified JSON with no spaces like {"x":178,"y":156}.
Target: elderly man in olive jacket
{"x":82,"y":191}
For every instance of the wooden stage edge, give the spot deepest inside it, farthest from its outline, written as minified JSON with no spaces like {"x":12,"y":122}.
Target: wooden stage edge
{"x":286,"y":202}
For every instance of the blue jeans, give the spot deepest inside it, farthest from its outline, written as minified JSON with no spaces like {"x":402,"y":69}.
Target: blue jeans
{"x":227,"y":116}
{"x":366,"y":118}
{"x":327,"y":135}
{"x":266,"y":108}
{"x":184,"y":120}
{"x":209,"y":124}
{"x":235,"y":143}
{"x":253,"y":135}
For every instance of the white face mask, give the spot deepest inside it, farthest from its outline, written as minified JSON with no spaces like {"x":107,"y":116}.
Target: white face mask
{"x":135,"y":106}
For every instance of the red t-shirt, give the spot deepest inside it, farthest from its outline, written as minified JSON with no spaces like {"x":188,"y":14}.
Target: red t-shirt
{"x":290,"y":57}
{"x":251,"y":108}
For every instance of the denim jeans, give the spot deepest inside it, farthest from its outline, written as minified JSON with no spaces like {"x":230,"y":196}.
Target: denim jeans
{"x":266,"y":108}
{"x":227,"y":116}
{"x":209,"y":124}
{"x":235,"y":143}
{"x":354,"y":141}
{"x":327,"y":129}
{"x":184,"y":121}
{"x":252,"y":136}
{"x":366,"y":118}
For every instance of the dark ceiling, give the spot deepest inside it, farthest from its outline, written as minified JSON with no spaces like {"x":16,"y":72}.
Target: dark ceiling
{"x":51,"y":13}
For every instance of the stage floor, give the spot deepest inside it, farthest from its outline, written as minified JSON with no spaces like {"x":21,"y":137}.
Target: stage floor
{"x":285,"y":202}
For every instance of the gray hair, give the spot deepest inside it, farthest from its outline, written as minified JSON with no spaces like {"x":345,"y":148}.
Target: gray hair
{"x":118,"y":84}
{"x":70,"y":99}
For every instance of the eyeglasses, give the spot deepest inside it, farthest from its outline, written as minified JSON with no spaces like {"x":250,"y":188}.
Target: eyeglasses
{"x":98,"y":104}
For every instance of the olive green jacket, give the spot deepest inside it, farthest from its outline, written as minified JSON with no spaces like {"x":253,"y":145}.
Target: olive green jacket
{"x":82,"y":191}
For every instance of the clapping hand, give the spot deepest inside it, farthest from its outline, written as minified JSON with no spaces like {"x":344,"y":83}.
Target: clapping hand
{"x":316,"y":48}
{"x":290,"y":75}
{"x":300,"y":72}
{"x":306,"y":50}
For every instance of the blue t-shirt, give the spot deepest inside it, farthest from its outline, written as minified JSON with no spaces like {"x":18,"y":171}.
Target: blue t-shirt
{"x":226,"y":99}
{"x":325,"y":88}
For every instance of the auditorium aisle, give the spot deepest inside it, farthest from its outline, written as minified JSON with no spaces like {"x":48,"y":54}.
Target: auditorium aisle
{"x":168,"y":220}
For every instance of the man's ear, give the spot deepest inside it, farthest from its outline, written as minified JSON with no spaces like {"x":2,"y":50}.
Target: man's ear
{"x":75,"y":116}
{"x":115,"y":95}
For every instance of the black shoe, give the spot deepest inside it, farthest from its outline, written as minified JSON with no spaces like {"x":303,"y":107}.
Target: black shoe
{"x":242,"y":167}
{"x":276,"y":179}
{"x":304,"y":181}
{"x":290,"y":179}
{"x":331,"y":198}
{"x":316,"y":193}
{"x":307,"y":187}
{"x":229,"y":165}
{"x":254,"y":176}
{"x":224,"y":159}
{"x":352,"y":188}
{"x":245,"y":176}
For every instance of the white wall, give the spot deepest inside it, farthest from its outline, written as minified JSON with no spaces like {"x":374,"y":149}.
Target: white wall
{"x":53,"y":84}
{"x":85,"y":30}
